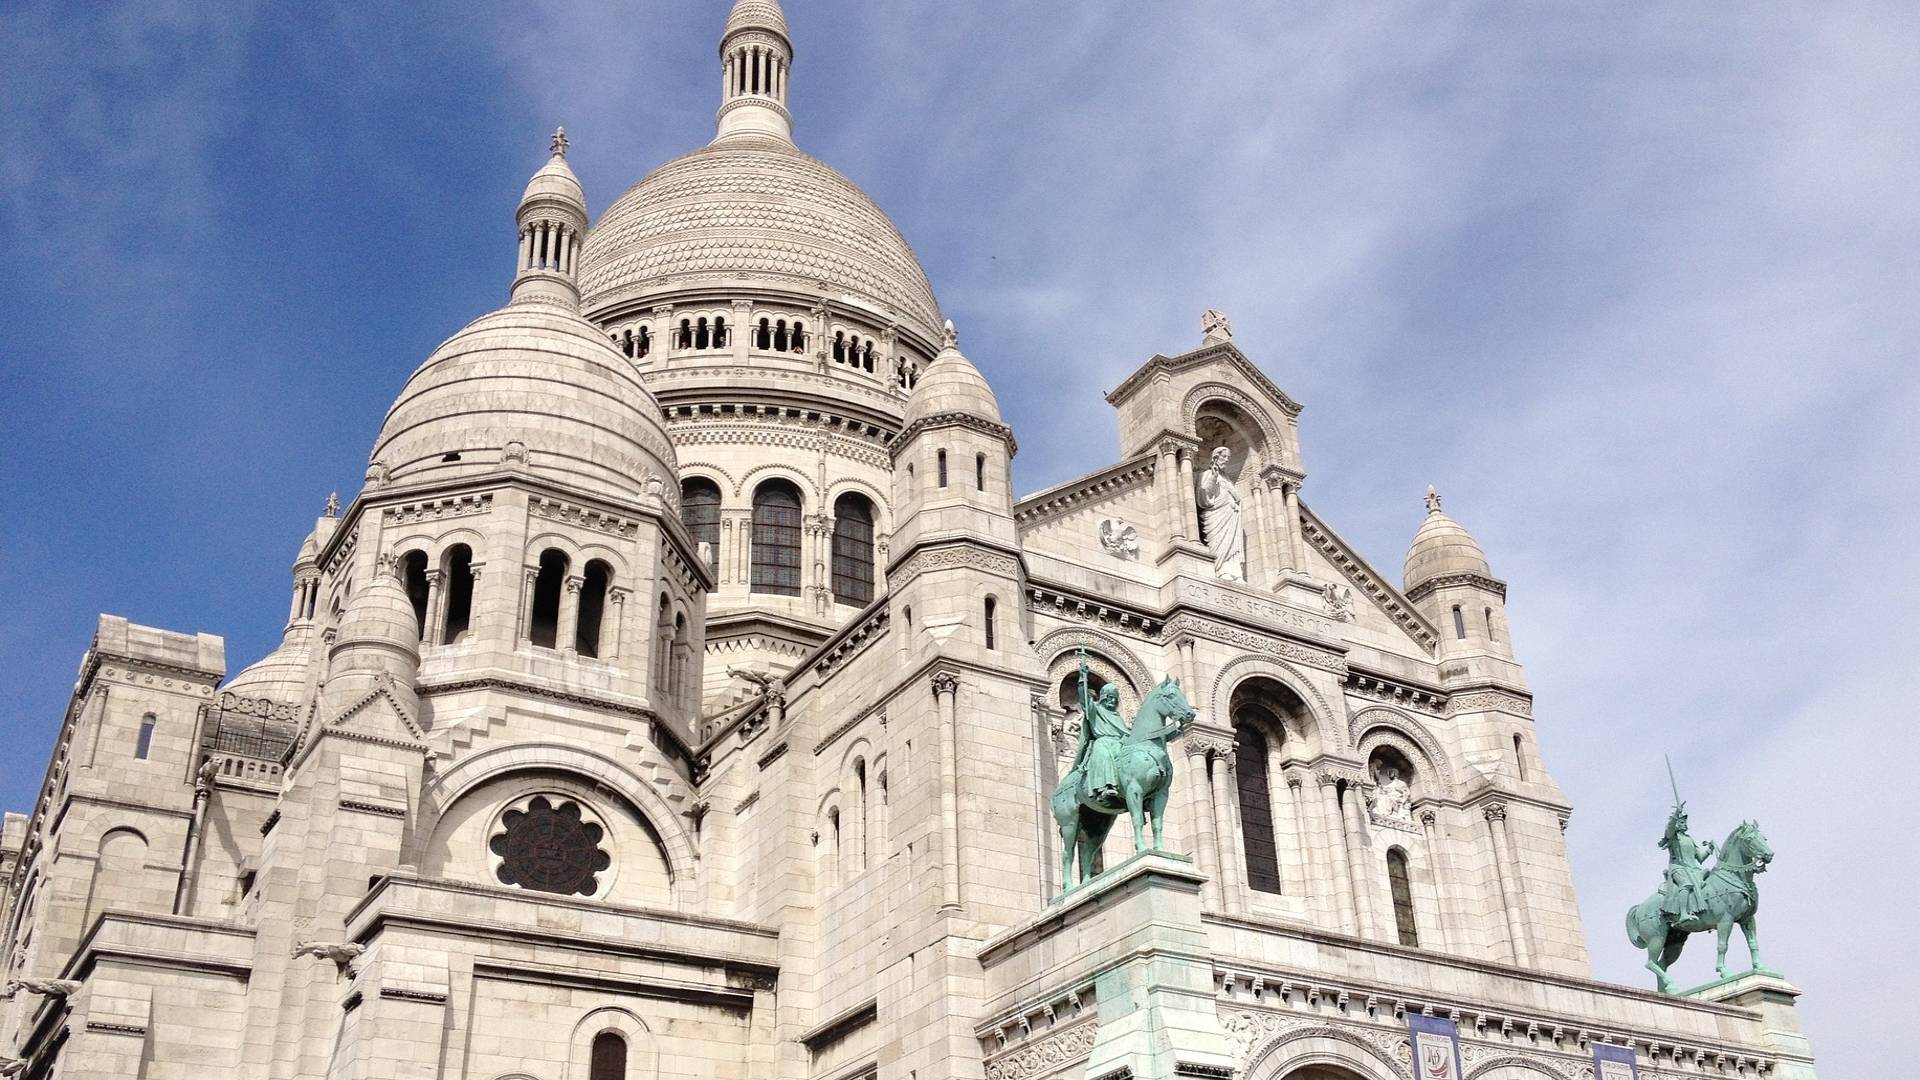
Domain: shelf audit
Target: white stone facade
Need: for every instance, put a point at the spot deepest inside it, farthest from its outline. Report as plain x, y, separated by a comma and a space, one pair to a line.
682, 695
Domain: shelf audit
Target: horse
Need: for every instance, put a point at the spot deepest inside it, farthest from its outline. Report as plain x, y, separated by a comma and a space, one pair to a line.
1729, 895
1145, 775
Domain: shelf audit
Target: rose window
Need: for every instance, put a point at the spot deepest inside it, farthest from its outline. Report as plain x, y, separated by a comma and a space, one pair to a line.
550, 848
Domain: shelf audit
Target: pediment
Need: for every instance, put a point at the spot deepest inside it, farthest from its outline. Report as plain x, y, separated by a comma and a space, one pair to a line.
1223, 355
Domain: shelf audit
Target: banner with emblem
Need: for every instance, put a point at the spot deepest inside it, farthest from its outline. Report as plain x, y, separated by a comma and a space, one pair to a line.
1614, 1063
1436, 1048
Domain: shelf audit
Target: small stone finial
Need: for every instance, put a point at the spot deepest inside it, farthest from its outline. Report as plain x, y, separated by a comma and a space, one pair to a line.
1433, 500
332, 508
949, 337
1215, 326
559, 142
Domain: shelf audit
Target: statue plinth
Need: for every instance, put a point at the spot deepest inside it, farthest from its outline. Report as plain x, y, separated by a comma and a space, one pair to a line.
1772, 997
1134, 933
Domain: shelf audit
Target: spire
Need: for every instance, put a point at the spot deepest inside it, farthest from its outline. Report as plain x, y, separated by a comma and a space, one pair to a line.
553, 222
755, 56
1433, 500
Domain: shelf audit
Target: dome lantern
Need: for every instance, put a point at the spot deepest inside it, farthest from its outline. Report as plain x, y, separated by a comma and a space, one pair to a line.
755, 56
553, 222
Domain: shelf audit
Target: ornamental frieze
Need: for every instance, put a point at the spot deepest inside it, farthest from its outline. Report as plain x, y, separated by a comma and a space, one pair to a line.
952, 557
1255, 608
611, 524
1299, 652
438, 509
1052, 1054
1490, 701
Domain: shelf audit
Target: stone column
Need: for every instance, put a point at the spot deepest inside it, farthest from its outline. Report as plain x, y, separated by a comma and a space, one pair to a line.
568, 629
1310, 877
1331, 833
1496, 815
615, 619
738, 327
1167, 471
1232, 888
1200, 812
1189, 507
1294, 537
1189, 677
1360, 861
475, 604
436, 602
1437, 872
946, 687
525, 620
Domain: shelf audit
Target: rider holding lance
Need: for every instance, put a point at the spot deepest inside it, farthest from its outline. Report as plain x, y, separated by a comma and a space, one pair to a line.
1102, 732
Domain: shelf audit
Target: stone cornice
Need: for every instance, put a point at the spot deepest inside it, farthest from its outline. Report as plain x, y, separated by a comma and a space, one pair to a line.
1224, 350
1479, 581
954, 419
1093, 487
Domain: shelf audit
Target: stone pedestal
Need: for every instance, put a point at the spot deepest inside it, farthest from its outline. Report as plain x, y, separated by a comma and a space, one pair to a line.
1134, 934
1771, 997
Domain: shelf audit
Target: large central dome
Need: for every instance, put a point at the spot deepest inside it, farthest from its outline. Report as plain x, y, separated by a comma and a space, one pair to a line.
755, 210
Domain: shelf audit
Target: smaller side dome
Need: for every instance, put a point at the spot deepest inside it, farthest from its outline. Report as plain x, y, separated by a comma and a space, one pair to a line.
951, 384
281, 675
756, 15
555, 180
1442, 546
382, 616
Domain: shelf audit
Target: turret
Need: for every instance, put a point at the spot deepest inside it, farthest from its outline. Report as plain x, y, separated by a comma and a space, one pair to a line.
553, 223
378, 641
1449, 580
952, 489
755, 57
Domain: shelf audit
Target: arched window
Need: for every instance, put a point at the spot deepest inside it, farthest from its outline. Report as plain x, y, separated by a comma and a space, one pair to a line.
979, 472
686, 335
1402, 889
780, 336
543, 622
144, 744
988, 613
642, 344
941, 457
1256, 803
839, 347
776, 539
700, 512
1492, 635
719, 332
702, 337
1459, 624
866, 356
762, 336
852, 550
626, 344
457, 579
1519, 756
662, 644
799, 336
682, 658
608, 1061
593, 607
413, 570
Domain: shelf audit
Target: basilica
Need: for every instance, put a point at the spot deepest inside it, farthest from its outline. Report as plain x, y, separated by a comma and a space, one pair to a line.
686, 691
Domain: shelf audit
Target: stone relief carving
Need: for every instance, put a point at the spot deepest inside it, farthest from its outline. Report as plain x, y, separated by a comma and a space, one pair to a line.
1339, 600
1048, 1055
1119, 539
1392, 799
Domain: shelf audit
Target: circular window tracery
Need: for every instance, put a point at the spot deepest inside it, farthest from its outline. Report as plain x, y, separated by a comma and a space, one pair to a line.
549, 845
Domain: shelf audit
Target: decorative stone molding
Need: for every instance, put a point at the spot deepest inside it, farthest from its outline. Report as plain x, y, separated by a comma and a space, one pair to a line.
1494, 811
833, 736
944, 682
1380, 688
438, 509
1505, 701
1467, 577
1262, 611
1055, 1053
952, 557
954, 419
1198, 397
1241, 668
1062, 604
1068, 639
555, 510
1200, 626
1376, 726
851, 641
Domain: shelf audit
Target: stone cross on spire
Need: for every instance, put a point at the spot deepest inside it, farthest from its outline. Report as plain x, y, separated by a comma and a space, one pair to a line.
1215, 327
559, 142
1433, 500
949, 337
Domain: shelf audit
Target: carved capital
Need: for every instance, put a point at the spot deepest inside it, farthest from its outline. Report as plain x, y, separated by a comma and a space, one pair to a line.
1428, 818
945, 682
1327, 777
1495, 811
574, 582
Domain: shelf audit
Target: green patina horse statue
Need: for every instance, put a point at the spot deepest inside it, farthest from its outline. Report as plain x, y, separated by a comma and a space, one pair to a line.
1143, 775
1728, 895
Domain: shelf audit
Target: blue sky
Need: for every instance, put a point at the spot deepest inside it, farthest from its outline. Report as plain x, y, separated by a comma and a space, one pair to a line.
1633, 285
